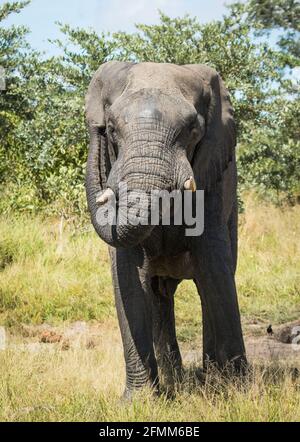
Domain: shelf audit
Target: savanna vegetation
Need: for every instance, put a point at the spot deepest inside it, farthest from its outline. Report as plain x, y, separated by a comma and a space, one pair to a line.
43, 138
55, 271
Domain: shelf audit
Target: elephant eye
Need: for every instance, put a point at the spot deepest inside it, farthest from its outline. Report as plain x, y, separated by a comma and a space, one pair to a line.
194, 132
198, 127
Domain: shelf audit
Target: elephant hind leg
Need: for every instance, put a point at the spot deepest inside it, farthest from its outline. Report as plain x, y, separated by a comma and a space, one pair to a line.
164, 332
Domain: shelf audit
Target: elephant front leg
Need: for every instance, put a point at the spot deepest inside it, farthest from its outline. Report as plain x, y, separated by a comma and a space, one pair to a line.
164, 332
133, 303
222, 334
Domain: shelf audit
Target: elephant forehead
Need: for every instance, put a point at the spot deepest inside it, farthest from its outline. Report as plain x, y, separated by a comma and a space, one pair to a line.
145, 103
163, 75
152, 104
155, 75
170, 78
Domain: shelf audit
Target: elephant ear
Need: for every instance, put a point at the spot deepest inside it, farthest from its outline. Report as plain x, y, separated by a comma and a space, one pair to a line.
107, 84
217, 147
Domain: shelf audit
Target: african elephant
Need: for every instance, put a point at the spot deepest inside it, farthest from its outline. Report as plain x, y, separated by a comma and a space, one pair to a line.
163, 126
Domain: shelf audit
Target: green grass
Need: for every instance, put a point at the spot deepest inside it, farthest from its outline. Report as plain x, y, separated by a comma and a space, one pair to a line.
268, 275
53, 273
49, 274
56, 273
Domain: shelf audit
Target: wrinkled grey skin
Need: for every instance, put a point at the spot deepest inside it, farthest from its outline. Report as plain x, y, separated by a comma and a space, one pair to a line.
153, 126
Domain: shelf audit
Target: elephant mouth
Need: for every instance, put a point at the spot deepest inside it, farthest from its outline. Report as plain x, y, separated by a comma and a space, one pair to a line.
138, 211
108, 194
121, 209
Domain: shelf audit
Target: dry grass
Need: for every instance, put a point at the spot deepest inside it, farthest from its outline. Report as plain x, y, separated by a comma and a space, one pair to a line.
85, 385
268, 275
58, 274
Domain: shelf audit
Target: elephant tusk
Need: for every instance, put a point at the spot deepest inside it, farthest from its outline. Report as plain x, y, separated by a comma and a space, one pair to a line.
102, 199
190, 184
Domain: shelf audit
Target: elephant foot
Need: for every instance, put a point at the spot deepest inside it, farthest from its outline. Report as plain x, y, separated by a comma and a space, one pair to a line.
232, 368
236, 368
127, 396
130, 393
171, 375
171, 380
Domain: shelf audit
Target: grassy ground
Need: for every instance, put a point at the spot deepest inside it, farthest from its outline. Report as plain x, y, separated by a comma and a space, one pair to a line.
83, 385
55, 273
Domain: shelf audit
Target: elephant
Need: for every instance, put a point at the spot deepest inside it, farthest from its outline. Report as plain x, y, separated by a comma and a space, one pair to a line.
168, 127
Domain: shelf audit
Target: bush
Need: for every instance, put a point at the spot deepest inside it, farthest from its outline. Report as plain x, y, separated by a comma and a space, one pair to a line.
43, 138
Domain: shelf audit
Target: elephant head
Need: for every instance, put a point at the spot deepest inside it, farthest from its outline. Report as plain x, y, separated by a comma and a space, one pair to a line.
154, 126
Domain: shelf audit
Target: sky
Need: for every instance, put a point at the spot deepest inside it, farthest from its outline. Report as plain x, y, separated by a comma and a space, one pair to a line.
104, 15
40, 17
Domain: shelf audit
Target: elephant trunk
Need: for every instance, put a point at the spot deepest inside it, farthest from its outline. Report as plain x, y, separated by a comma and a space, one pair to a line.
150, 162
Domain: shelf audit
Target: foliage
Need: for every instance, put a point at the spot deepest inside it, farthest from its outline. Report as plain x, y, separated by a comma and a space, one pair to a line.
279, 14
273, 150
43, 139
272, 161
14, 105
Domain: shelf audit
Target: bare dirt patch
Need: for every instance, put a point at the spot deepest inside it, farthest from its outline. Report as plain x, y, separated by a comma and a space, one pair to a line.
263, 343
272, 343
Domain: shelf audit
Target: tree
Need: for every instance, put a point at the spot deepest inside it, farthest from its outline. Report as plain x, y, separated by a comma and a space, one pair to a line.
275, 13
283, 15
13, 102
43, 140
274, 150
